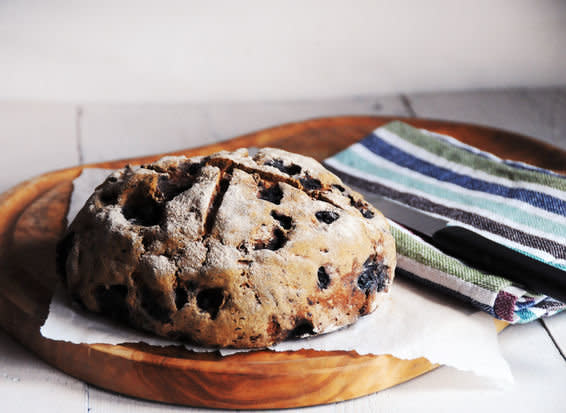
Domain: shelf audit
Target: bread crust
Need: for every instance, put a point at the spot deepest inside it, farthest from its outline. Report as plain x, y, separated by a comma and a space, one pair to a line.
229, 250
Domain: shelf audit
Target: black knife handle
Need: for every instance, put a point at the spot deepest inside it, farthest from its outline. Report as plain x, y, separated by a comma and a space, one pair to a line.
487, 255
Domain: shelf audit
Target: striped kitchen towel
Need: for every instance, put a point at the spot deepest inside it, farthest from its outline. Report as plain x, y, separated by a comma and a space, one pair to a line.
515, 204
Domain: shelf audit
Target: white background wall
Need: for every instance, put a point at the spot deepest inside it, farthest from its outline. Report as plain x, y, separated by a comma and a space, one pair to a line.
254, 50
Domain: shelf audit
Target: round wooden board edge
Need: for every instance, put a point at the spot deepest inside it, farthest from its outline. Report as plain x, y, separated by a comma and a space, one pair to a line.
33, 188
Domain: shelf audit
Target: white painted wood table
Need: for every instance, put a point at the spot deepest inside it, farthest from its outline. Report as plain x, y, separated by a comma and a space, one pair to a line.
39, 137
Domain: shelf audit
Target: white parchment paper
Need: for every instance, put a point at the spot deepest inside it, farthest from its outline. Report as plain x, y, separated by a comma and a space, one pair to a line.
413, 322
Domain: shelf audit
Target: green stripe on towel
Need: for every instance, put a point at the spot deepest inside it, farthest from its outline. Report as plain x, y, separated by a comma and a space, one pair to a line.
464, 157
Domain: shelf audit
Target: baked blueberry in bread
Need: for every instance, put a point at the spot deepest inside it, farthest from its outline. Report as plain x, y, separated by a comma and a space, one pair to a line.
229, 250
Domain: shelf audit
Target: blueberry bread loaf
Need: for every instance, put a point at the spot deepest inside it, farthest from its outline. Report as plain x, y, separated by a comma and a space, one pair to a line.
229, 250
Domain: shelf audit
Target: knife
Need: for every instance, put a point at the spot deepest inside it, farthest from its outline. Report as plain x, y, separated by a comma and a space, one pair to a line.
475, 249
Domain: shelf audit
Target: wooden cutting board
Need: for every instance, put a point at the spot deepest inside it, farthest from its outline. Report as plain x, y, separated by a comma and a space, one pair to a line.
32, 219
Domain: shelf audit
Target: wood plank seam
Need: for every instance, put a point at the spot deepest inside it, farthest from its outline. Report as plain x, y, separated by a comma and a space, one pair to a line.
79, 132
408, 105
79, 145
552, 338
87, 397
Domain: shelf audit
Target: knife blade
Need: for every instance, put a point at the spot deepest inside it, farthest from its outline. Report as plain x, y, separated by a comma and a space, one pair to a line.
474, 249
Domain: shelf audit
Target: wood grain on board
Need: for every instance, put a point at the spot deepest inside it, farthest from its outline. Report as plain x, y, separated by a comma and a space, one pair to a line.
32, 219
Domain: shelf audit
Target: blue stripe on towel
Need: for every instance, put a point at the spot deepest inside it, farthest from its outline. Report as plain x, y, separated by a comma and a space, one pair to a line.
387, 151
